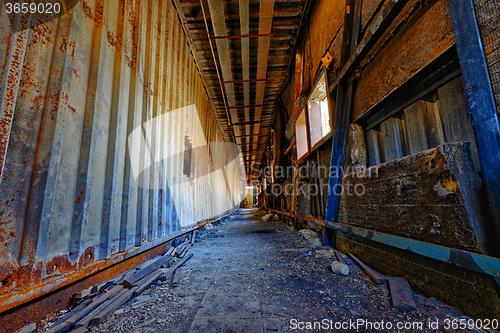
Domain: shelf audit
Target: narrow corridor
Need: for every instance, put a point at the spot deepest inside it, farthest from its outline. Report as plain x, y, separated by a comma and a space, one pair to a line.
247, 275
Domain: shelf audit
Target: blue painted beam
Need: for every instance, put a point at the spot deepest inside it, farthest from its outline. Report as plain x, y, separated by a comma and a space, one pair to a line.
468, 260
480, 99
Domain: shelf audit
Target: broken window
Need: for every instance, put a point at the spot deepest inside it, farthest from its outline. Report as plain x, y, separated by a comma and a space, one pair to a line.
301, 136
440, 116
318, 112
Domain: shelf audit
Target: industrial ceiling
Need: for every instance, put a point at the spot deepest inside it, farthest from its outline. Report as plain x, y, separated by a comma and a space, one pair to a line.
243, 50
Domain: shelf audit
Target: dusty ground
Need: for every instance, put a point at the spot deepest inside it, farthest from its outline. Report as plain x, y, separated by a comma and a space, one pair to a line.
252, 276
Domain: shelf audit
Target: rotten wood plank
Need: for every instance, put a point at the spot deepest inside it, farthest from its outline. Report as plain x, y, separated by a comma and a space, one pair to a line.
129, 281
184, 251
112, 306
147, 282
176, 278
374, 147
390, 66
415, 127
401, 294
78, 316
421, 187
392, 139
373, 274
339, 256
455, 116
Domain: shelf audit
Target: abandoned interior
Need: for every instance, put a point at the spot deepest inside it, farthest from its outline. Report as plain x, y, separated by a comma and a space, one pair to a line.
133, 130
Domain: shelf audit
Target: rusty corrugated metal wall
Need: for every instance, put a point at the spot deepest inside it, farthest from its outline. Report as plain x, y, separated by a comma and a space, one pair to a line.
73, 90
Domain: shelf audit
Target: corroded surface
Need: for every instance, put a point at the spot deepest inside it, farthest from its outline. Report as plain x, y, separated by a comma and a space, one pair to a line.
73, 90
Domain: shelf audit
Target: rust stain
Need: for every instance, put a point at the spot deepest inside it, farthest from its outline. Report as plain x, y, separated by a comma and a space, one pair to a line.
98, 14
80, 197
72, 47
59, 265
88, 255
64, 45
8, 273
41, 35
87, 11
111, 39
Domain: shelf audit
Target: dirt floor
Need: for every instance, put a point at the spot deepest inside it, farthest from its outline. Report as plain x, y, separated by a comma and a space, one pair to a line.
247, 275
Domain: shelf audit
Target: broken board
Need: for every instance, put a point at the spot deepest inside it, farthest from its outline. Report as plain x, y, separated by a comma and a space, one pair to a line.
401, 294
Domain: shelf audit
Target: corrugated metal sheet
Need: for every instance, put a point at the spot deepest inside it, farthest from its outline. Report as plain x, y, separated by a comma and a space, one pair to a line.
73, 90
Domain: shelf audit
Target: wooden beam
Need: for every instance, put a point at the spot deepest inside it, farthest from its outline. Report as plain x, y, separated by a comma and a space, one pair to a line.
241, 36
244, 81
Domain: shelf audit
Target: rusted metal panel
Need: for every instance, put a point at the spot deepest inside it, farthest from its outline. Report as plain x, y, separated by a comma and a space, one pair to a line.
73, 91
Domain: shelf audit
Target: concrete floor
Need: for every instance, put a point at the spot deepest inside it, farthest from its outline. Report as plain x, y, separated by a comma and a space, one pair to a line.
252, 276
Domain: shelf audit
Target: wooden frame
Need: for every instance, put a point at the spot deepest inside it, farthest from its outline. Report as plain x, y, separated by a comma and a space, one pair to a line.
299, 139
322, 74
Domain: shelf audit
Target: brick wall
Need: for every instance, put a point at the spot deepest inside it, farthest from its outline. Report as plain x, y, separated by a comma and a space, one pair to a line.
473, 293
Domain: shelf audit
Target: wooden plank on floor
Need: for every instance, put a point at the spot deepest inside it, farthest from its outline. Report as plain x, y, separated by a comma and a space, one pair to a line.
179, 249
80, 330
176, 278
401, 294
88, 318
373, 274
112, 306
339, 257
147, 262
129, 282
147, 281
184, 251
78, 316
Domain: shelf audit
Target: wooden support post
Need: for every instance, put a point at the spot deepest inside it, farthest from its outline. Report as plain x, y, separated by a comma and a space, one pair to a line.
480, 98
352, 22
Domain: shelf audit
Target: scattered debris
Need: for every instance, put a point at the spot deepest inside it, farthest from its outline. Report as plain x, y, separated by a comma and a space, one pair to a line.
325, 253
401, 294
27, 329
177, 276
341, 257
339, 268
268, 273
312, 237
270, 217
94, 304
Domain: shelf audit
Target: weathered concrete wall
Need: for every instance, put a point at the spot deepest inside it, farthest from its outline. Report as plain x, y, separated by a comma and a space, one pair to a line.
93, 103
430, 196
